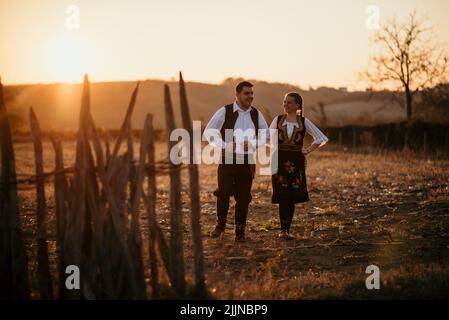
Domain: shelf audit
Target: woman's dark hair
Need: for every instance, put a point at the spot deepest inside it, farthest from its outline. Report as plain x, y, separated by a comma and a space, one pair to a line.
297, 97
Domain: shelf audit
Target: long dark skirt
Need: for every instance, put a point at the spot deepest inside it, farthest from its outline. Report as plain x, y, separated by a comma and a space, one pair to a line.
289, 183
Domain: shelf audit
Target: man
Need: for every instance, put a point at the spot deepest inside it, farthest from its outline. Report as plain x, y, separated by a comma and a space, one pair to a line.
234, 124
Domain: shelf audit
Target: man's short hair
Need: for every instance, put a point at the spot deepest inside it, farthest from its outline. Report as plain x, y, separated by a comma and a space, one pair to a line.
243, 84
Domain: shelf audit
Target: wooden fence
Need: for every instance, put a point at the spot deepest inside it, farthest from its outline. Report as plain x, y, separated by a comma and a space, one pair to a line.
97, 208
416, 136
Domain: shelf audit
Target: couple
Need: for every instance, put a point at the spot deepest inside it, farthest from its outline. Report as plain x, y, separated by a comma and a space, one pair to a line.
289, 181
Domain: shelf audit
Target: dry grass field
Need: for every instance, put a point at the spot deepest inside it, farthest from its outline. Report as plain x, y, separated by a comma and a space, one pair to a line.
386, 209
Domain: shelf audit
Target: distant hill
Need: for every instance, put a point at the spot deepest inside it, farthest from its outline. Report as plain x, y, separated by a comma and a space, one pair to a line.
57, 105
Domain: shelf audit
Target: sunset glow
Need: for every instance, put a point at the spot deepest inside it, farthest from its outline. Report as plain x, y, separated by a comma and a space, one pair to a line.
301, 42
68, 59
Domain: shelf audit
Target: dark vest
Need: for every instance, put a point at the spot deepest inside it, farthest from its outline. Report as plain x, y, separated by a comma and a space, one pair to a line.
295, 142
229, 123
231, 118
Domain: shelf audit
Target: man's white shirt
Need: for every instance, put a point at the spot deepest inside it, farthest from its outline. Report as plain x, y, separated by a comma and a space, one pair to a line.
243, 123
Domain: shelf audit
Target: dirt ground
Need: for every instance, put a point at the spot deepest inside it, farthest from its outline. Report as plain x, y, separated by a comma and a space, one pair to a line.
387, 209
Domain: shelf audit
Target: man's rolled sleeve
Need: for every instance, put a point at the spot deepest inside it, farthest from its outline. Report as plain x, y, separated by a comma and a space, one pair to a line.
212, 132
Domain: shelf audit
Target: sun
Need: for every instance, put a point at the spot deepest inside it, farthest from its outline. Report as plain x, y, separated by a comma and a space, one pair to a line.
67, 59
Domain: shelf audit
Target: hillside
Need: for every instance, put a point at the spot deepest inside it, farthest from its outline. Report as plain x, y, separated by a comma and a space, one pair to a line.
57, 105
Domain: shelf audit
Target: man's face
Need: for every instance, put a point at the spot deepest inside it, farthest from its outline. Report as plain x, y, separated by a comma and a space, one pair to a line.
245, 97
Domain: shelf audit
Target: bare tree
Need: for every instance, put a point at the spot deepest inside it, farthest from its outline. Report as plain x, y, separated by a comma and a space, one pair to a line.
409, 59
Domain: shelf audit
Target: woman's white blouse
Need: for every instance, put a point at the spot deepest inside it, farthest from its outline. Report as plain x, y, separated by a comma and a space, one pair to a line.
318, 137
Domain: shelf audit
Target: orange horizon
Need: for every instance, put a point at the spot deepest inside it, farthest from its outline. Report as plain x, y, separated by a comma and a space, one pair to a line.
309, 45
173, 79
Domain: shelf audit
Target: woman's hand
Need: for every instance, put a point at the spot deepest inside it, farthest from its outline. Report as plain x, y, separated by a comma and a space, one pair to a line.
308, 150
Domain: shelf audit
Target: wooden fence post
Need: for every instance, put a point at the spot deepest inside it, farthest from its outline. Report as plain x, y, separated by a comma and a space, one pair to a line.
176, 218
44, 277
132, 169
194, 190
135, 240
61, 207
151, 175
13, 262
78, 218
125, 123
107, 145
115, 179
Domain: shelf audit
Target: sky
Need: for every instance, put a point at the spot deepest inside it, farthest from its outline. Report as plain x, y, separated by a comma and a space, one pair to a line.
306, 43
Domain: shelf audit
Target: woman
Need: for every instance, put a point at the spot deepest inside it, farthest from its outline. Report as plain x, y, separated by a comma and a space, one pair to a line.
289, 182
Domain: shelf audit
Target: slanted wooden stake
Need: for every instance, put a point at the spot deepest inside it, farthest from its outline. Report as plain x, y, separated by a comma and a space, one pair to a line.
135, 239
107, 145
194, 190
176, 219
61, 208
13, 262
43, 267
151, 176
123, 129
78, 218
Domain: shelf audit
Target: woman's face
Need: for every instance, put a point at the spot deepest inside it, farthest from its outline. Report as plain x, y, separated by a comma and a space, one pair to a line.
290, 105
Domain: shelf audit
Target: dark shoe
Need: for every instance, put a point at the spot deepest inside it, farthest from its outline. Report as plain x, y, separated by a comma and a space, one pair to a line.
286, 235
240, 238
216, 233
